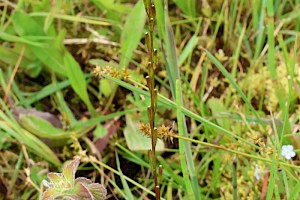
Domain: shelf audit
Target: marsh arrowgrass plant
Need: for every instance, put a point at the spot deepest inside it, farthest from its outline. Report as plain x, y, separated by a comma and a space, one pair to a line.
151, 110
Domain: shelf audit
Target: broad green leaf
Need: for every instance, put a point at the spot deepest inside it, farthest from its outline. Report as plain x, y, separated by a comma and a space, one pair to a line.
10, 127
135, 139
25, 25
13, 38
42, 127
100, 131
34, 68
132, 32
77, 80
45, 129
32, 143
10, 57
50, 57
106, 87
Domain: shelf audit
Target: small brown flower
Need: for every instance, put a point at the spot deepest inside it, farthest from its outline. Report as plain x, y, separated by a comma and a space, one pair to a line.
163, 132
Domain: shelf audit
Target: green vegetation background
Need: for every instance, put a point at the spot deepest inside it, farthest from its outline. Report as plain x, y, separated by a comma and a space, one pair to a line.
72, 76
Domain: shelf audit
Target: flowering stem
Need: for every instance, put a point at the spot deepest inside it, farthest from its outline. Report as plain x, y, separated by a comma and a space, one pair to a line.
152, 53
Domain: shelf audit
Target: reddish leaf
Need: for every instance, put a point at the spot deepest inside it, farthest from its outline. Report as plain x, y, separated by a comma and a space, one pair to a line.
57, 180
112, 127
17, 111
82, 192
83, 181
70, 170
50, 194
98, 191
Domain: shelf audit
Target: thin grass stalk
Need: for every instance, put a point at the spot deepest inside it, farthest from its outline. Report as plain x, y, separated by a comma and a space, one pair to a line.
265, 160
258, 16
271, 42
234, 178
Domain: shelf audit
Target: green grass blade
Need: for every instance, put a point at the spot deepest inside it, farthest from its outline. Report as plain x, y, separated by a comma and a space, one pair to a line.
271, 40
182, 146
128, 193
295, 192
111, 181
46, 91
78, 81
96, 120
50, 57
171, 104
259, 25
173, 76
13, 38
188, 49
62, 104
237, 52
132, 32
274, 168
232, 81
188, 7
77, 18
160, 18
170, 55
11, 127
133, 156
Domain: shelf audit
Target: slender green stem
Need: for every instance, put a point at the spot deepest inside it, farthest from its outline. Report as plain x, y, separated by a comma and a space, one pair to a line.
266, 160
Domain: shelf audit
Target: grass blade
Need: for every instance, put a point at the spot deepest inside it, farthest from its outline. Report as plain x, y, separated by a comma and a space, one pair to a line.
128, 193
78, 81
182, 146
163, 101
132, 32
188, 7
295, 192
271, 41
188, 49
232, 81
173, 76
10, 126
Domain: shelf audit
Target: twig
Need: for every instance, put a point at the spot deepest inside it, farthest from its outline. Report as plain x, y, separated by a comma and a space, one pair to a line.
7, 90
